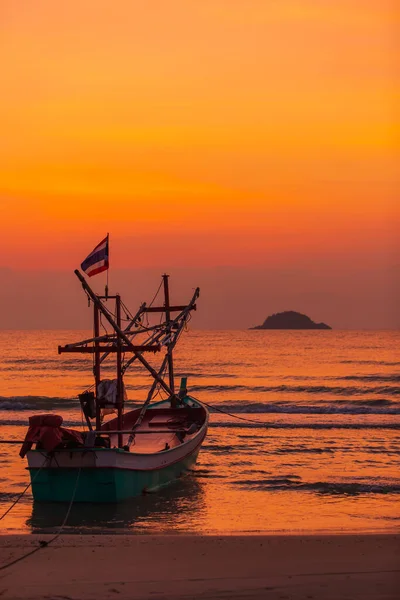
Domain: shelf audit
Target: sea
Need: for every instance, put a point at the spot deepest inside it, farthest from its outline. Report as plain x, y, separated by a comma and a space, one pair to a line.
308, 440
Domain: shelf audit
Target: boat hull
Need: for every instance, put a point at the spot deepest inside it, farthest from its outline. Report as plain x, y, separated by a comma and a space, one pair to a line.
99, 484
107, 474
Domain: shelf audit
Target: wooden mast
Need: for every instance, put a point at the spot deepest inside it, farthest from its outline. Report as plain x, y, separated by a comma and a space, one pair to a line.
119, 343
168, 327
96, 367
120, 385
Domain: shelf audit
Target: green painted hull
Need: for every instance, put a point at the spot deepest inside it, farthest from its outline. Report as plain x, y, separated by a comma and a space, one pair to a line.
97, 484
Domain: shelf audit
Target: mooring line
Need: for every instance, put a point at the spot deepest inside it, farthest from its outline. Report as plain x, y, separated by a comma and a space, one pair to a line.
43, 543
16, 501
225, 412
22, 493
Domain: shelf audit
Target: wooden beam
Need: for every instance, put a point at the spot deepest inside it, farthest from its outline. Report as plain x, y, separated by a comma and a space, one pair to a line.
96, 364
119, 331
169, 348
129, 327
145, 405
143, 431
159, 309
120, 394
179, 321
92, 350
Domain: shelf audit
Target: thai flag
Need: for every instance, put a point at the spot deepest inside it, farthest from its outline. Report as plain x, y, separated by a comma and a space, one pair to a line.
97, 261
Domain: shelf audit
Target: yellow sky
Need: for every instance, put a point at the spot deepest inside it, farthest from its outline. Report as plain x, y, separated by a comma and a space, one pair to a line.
249, 127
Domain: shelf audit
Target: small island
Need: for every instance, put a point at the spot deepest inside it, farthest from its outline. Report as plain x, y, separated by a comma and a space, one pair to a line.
290, 320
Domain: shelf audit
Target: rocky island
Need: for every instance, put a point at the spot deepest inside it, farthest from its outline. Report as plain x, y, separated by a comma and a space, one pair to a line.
290, 320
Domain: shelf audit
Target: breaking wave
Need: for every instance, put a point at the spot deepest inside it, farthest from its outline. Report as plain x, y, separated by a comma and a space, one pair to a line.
17, 403
339, 407
378, 406
304, 425
24, 422
319, 487
302, 389
371, 362
373, 377
363, 406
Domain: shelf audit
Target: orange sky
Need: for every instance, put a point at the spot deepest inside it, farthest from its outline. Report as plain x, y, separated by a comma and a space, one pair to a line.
242, 133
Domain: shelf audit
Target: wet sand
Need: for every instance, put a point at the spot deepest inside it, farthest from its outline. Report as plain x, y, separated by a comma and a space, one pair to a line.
87, 567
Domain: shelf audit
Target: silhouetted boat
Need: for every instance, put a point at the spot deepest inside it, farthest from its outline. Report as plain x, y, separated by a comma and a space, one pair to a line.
138, 451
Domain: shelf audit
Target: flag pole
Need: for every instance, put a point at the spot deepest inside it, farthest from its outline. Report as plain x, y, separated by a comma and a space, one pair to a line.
108, 259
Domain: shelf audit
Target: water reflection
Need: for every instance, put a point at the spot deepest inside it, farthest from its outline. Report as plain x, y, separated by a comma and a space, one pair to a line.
178, 507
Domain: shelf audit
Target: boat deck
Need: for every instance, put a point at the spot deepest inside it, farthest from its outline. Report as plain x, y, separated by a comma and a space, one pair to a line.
164, 428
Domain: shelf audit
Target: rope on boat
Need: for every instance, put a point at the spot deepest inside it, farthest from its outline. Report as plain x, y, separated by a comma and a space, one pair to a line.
225, 412
43, 543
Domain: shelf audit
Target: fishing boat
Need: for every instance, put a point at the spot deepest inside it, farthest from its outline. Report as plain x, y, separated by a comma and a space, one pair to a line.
133, 452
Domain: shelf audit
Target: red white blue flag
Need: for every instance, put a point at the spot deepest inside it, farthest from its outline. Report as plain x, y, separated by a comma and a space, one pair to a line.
97, 261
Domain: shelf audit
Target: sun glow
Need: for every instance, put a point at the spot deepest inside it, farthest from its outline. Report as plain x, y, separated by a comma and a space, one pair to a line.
208, 134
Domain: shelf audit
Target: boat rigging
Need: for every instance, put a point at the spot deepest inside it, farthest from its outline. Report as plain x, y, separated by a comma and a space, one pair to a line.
137, 451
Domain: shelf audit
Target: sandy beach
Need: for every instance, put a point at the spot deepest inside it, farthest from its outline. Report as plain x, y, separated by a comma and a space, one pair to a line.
188, 566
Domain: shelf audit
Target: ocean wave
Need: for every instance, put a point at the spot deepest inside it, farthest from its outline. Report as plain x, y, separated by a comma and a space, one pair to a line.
202, 375
36, 402
241, 364
371, 362
365, 402
377, 406
301, 389
262, 425
374, 377
305, 425
9, 496
54, 370
25, 423
48, 403
302, 450
219, 448
319, 487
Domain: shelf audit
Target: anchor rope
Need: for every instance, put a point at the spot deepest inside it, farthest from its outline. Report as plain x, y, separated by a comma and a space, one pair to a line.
21, 494
225, 412
43, 543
